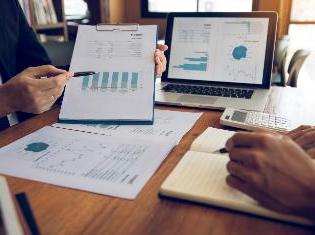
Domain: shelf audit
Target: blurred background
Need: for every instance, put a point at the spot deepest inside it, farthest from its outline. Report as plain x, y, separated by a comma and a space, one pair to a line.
56, 22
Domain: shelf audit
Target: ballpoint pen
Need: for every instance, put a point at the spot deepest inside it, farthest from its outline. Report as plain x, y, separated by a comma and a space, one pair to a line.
222, 150
76, 74
85, 73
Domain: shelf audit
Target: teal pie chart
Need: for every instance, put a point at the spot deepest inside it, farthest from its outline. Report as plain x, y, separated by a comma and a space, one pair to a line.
36, 147
239, 52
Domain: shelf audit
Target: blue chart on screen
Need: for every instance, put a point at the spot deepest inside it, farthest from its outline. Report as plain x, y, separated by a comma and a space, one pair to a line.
196, 62
36, 147
239, 52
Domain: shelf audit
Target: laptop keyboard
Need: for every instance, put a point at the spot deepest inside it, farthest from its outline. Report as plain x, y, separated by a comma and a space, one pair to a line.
210, 91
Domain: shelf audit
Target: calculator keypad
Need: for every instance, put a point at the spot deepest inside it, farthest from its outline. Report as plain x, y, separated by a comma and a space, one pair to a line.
265, 120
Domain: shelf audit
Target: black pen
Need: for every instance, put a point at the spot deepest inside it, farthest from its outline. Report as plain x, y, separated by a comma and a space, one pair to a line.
26, 210
223, 150
85, 73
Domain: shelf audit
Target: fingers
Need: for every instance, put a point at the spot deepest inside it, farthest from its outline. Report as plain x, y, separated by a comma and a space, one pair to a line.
159, 66
247, 140
296, 133
45, 92
53, 94
45, 70
160, 54
261, 197
307, 140
311, 152
58, 82
163, 47
160, 61
244, 187
244, 173
247, 157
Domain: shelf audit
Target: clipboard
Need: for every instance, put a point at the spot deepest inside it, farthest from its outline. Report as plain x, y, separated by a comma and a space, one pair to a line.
129, 27
131, 42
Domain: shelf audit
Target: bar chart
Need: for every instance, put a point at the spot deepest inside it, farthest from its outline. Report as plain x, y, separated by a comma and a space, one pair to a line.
112, 81
196, 62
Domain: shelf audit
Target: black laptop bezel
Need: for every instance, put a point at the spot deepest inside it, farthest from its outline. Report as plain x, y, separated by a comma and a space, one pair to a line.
270, 46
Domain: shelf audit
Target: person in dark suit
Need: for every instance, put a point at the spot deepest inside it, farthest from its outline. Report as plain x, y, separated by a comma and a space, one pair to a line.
23, 61
20, 54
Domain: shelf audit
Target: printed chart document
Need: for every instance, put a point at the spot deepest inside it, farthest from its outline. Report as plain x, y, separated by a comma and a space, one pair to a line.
112, 166
122, 90
200, 177
171, 125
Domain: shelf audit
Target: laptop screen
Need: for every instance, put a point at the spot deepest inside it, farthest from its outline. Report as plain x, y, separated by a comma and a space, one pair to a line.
219, 49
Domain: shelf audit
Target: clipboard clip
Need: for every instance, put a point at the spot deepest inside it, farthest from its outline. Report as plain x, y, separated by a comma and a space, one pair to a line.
118, 27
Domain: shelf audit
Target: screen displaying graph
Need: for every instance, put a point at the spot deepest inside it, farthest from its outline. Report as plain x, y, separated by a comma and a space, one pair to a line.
223, 49
112, 81
239, 62
197, 62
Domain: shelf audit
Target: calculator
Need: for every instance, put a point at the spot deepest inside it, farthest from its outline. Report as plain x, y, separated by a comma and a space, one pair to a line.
251, 120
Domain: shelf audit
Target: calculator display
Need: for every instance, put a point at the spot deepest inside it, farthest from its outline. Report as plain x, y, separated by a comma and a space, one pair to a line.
239, 116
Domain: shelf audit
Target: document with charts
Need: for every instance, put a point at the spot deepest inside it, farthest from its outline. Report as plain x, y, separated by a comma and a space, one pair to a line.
122, 89
171, 125
107, 165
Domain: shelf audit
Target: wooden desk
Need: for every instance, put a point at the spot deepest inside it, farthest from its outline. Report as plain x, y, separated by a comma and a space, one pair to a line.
65, 211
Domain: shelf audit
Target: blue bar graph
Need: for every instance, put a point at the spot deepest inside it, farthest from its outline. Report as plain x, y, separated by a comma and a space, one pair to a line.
124, 80
201, 59
112, 81
85, 82
105, 80
134, 80
95, 80
193, 67
115, 80
198, 63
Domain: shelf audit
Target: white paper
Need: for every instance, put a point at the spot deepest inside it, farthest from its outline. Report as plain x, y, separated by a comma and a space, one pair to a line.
170, 125
123, 87
107, 165
211, 140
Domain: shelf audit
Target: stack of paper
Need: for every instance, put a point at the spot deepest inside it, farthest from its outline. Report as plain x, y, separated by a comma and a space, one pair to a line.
111, 160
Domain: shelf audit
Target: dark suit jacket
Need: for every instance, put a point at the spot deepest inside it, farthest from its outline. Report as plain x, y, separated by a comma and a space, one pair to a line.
19, 47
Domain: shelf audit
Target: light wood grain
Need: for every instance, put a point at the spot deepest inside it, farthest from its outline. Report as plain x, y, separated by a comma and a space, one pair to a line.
66, 211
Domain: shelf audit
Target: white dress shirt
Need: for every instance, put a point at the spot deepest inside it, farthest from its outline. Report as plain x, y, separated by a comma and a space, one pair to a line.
12, 117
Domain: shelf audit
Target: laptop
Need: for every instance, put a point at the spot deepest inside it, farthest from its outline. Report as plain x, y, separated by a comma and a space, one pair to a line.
218, 60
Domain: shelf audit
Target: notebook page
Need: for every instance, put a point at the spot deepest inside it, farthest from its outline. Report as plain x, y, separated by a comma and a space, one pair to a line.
200, 177
211, 140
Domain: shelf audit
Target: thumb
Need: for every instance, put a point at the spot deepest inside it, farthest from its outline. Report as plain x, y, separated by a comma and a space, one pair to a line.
163, 47
44, 70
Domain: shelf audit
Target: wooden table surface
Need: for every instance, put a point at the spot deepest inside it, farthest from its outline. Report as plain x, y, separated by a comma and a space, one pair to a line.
66, 211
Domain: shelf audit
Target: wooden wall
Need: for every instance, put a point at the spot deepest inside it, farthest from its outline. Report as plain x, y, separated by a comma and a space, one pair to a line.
283, 7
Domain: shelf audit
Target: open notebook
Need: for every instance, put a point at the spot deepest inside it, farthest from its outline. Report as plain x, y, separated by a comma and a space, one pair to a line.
200, 177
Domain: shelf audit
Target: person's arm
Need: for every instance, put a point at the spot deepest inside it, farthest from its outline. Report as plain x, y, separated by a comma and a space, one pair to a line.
273, 170
30, 53
5, 108
26, 92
